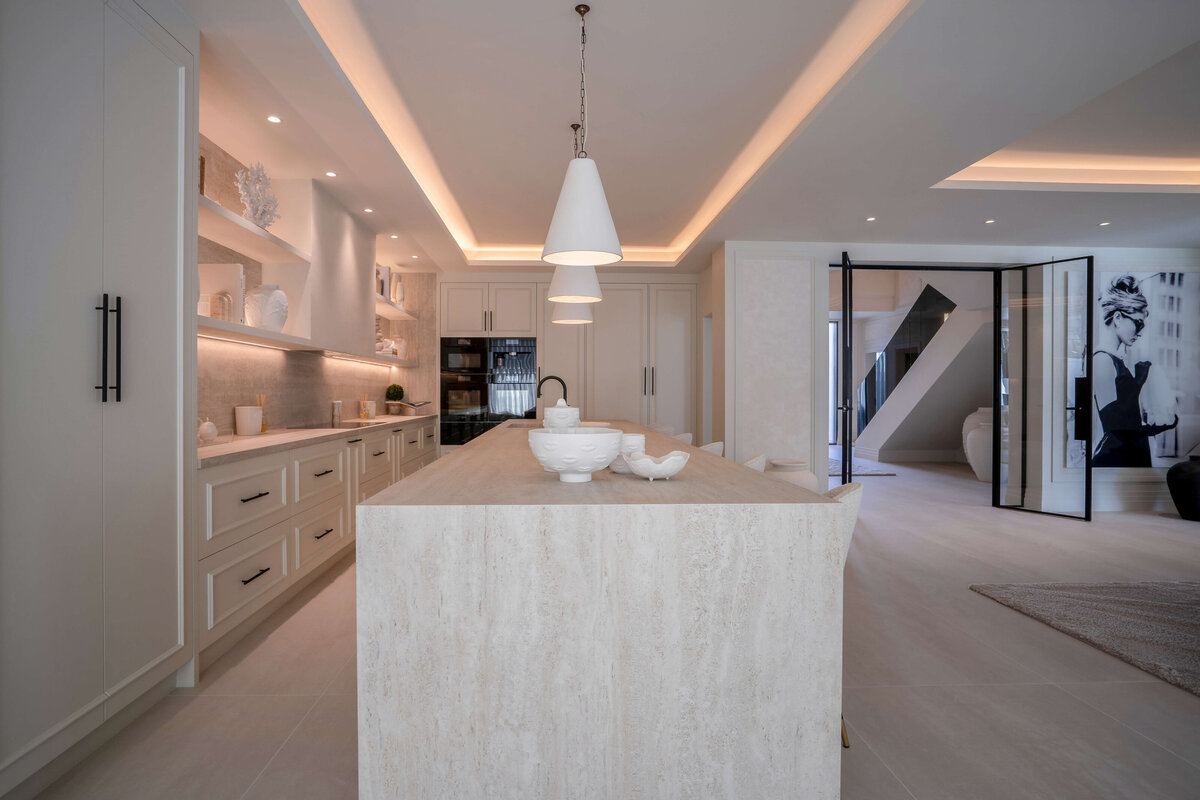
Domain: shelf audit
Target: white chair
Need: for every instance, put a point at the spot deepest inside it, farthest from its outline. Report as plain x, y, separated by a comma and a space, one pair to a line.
686, 438
759, 463
716, 448
850, 497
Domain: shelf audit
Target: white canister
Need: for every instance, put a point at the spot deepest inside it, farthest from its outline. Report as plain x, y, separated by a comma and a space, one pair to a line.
630, 443
248, 420
266, 307
560, 415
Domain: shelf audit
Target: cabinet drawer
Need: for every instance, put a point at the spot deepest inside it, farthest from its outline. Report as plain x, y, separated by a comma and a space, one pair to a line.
428, 434
376, 456
242, 501
409, 440
369, 487
234, 578
318, 532
320, 472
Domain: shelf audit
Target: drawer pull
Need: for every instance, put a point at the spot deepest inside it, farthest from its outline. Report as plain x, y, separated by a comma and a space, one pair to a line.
260, 494
429, 436
381, 452
412, 441
321, 474
256, 575
323, 535
354, 441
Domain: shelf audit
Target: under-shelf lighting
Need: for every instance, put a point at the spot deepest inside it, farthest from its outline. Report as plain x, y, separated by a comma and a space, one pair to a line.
239, 341
360, 361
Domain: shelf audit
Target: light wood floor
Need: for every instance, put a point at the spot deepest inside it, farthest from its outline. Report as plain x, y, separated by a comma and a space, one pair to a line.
947, 694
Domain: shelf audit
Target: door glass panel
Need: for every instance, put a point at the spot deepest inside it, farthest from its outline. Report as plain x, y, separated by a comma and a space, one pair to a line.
1044, 323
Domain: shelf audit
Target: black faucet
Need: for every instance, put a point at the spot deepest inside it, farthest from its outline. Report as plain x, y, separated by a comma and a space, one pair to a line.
552, 378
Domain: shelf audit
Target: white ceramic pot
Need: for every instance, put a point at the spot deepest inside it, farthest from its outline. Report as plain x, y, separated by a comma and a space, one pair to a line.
266, 307
560, 415
630, 443
248, 420
575, 453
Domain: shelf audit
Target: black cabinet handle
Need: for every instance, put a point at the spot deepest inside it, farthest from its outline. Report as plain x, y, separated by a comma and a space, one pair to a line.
643, 381
381, 452
256, 575
397, 430
260, 494
117, 310
652, 380
323, 535
319, 474
354, 441
412, 441
103, 387
429, 436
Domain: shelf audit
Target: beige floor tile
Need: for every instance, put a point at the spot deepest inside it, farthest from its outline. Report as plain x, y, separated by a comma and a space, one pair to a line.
1006, 742
320, 760
864, 776
208, 748
346, 681
1165, 714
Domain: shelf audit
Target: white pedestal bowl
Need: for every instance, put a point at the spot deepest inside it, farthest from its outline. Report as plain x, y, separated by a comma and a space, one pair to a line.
575, 453
647, 466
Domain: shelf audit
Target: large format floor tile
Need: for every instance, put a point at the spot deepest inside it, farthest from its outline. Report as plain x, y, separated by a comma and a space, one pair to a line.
320, 760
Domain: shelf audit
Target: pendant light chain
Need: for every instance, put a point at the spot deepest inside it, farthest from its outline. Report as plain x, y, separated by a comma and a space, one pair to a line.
581, 145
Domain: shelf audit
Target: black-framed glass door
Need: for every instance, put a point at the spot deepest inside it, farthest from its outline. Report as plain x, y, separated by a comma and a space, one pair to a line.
846, 404
1042, 433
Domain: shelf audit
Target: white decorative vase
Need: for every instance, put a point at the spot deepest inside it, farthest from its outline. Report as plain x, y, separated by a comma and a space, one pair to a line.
266, 307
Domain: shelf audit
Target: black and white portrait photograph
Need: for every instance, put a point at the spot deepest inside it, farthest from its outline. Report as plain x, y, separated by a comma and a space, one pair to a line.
1145, 369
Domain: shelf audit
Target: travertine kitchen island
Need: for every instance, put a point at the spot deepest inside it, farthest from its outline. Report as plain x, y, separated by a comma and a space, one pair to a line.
519, 637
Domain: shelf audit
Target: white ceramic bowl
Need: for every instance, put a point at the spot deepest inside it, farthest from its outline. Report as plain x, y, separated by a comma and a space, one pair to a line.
575, 453
560, 416
647, 466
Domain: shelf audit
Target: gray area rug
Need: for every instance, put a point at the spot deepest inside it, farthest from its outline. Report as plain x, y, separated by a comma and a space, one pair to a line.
859, 467
1155, 626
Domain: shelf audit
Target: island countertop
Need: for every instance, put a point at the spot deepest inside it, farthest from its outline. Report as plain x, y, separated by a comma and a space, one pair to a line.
498, 468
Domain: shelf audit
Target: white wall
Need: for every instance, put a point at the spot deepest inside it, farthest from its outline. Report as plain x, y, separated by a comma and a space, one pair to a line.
341, 277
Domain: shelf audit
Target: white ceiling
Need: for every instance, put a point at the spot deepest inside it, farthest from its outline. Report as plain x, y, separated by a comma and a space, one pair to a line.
677, 89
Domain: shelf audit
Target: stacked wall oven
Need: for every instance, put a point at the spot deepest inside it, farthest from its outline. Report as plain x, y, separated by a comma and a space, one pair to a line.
484, 382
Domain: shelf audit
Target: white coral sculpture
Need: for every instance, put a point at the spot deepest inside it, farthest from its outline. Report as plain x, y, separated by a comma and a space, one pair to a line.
254, 187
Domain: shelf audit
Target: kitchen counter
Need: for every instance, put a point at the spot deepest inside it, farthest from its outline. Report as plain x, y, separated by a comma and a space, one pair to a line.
523, 637
235, 448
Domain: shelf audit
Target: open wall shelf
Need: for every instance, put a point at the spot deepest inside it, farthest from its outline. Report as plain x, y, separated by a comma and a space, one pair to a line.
235, 332
241, 235
389, 310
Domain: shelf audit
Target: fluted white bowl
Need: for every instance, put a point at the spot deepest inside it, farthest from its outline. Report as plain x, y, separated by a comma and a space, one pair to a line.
575, 453
647, 466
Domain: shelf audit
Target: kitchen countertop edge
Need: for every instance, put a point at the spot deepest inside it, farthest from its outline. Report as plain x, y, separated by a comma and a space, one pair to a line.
279, 440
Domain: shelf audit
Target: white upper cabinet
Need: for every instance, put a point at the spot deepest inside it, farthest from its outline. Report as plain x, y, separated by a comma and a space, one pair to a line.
489, 309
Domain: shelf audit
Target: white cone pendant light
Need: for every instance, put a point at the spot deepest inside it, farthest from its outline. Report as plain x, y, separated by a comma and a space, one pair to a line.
574, 284
582, 230
582, 234
572, 313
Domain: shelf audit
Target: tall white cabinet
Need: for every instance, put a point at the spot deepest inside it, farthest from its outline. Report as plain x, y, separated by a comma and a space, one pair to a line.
641, 355
97, 197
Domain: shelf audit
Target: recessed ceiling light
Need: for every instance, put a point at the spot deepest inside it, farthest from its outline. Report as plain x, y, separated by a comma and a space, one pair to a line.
274, 119
1103, 224
415, 257
369, 210
395, 236
870, 219
330, 174
989, 222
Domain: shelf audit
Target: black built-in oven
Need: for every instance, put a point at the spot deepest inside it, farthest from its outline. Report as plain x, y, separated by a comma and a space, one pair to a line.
484, 382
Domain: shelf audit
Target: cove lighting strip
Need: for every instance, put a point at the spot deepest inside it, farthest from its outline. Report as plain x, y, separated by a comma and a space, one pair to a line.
361, 361
239, 341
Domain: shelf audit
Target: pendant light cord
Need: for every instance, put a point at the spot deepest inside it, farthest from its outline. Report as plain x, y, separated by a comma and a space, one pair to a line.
581, 143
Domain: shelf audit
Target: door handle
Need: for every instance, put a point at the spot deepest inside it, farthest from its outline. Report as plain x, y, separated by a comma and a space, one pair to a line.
103, 387
117, 386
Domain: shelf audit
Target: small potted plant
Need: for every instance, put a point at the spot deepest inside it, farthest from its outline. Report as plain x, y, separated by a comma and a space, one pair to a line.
395, 393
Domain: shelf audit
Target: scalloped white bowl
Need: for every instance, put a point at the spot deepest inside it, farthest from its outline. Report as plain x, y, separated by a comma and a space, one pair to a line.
575, 453
647, 466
